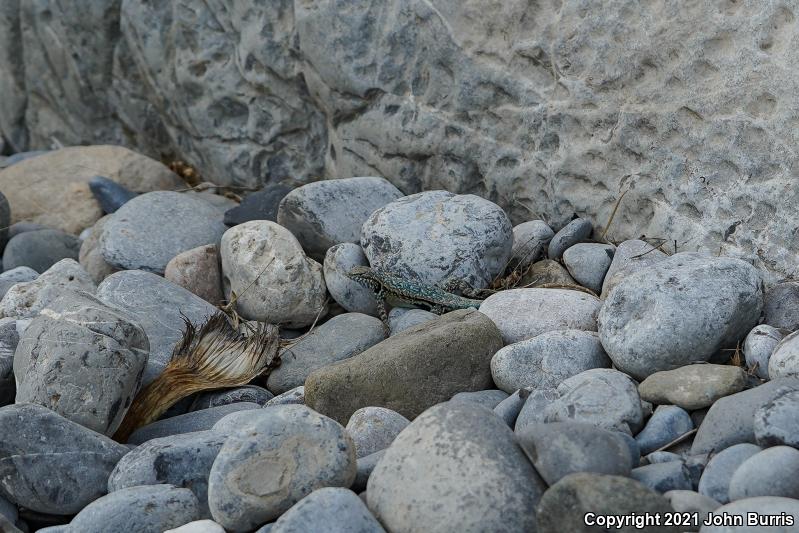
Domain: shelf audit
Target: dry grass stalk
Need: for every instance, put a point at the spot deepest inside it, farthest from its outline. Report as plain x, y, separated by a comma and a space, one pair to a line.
214, 357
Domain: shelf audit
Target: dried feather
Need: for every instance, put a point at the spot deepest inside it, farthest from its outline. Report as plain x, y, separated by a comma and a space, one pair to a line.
214, 357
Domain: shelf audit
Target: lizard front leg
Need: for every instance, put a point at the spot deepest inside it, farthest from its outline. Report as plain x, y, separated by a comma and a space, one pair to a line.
455, 284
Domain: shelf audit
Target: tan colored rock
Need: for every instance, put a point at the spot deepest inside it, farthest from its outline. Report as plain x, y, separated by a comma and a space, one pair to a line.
546, 272
52, 189
91, 253
197, 270
692, 386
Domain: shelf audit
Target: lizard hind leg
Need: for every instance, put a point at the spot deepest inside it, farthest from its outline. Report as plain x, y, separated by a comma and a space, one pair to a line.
455, 285
381, 311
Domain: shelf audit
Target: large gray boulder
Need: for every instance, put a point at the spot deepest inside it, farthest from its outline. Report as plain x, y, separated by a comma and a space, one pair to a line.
680, 310
433, 236
481, 479
410, 371
82, 359
51, 465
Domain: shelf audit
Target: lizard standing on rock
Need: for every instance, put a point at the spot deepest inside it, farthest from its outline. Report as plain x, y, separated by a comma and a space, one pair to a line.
399, 292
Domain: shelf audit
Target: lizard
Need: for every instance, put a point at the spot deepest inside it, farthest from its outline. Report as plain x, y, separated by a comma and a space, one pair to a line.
399, 292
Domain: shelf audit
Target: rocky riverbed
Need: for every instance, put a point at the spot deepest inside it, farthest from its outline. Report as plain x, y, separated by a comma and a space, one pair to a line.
595, 380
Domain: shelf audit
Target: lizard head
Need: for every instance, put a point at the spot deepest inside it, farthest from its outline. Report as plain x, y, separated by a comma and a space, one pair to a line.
365, 276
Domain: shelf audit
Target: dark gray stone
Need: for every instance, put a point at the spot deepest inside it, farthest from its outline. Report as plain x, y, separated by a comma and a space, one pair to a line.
5, 218
565, 505
330, 509
145, 509
397, 372
731, 419
16, 275
247, 393
781, 308
8, 510
509, 408
562, 448
295, 396
328, 212
23, 226
374, 428
159, 307
700, 303
771, 472
715, 480
339, 338
51, 465
588, 263
777, 422
400, 319
365, 467
188, 423
152, 228
182, 460
258, 205
663, 477
540, 362
666, 424
110, 194
280, 456
572, 233
483, 481
9, 338
82, 359
418, 237
40, 249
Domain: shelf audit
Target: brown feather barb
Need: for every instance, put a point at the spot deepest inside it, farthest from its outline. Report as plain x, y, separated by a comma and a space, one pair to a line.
214, 357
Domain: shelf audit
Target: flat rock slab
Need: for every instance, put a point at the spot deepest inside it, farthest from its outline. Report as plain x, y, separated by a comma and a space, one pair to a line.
412, 370
692, 386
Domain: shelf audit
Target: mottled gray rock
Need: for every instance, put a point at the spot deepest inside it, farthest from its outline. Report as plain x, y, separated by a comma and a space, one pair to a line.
374, 428
366, 466
26, 299
396, 373
693, 386
13, 276
110, 194
329, 212
8, 510
777, 422
198, 526
546, 273
9, 338
630, 257
663, 477
572, 233
488, 398
349, 294
247, 393
771, 472
534, 409
781, 308
561, 448
509, 408
666, 424
761, 509
91, 253
588, 263
524, 313
715, 480
784, 360
82, 359
566, 504
423, 238
258, 205
689, 501
545, 360
197, 270
188, 423
681, 310
159, 307
265, 266
51, 465
603, 397
295, 396
281, 455
530, 241
145, 509
662, 457
331, 509
149, 230
758, 347
182, 460
400, 319
483, 481
40, 249
339, 338
730, 420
